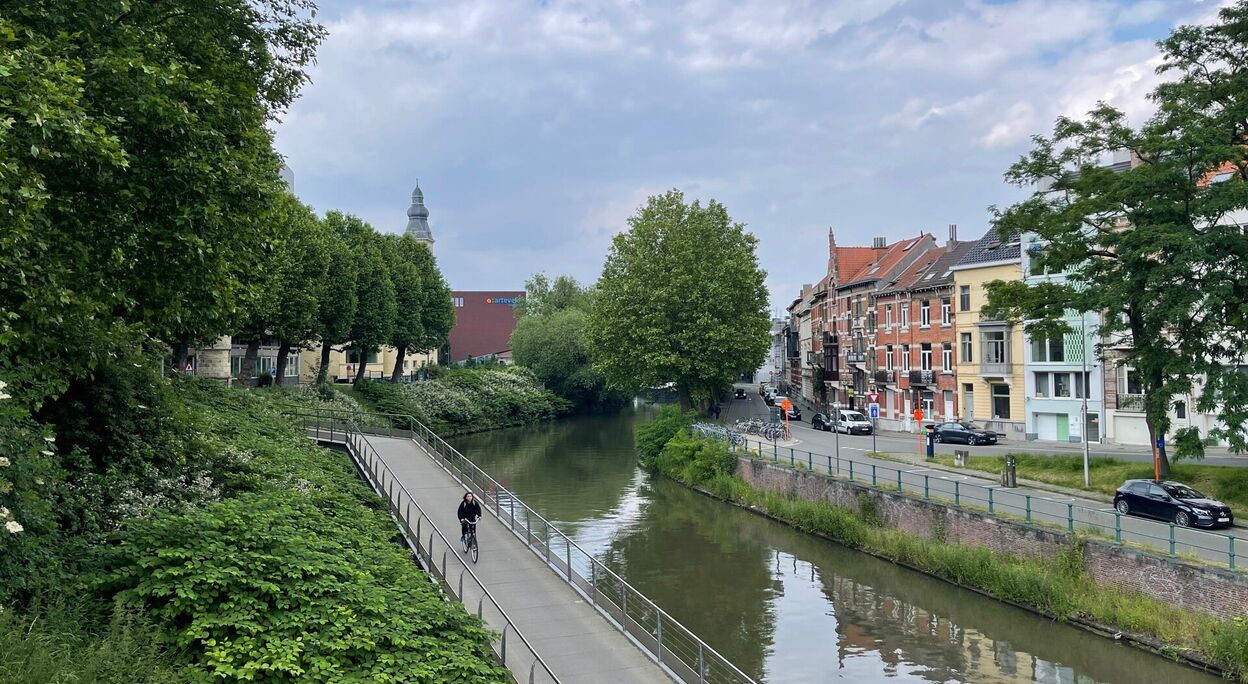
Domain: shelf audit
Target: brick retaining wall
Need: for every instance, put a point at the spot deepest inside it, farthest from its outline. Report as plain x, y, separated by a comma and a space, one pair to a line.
1220, 592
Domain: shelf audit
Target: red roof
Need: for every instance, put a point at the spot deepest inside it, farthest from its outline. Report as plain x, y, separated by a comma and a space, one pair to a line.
882, 266
850, 260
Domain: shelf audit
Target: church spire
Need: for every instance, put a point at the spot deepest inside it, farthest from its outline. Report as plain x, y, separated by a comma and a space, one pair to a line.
418, 218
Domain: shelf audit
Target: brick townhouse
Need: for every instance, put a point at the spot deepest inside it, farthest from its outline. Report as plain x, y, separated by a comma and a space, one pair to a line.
915, 362
854, 314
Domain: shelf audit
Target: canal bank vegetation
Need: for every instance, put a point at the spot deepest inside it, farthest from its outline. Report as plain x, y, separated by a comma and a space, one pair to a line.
178, 530
1057, 587
1225, 483
549, 340
470, 399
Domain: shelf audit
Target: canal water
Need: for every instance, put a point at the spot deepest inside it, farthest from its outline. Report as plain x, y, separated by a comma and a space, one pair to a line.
782, 605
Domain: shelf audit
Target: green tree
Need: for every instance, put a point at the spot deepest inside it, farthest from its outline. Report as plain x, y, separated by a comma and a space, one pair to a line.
376, 307
302, 285
1155, 248
681, 300
544, 296
336, 310
135, 167
422, 319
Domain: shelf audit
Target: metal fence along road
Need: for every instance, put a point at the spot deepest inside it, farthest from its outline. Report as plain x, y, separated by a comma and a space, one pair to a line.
1052, 511
676, 649
445, 565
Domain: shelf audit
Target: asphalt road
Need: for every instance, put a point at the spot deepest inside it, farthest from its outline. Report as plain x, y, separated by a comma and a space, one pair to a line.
819, 451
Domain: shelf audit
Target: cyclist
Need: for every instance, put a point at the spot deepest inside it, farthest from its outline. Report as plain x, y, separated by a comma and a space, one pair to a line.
469, 513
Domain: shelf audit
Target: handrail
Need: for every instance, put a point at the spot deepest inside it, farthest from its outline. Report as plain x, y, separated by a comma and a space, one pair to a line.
367, 464
673, 647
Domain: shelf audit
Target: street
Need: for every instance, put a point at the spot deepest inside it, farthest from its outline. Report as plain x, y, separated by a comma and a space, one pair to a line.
819, 451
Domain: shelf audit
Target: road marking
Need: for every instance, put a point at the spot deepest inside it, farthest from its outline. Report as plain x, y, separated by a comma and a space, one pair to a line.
921, 470
954, 477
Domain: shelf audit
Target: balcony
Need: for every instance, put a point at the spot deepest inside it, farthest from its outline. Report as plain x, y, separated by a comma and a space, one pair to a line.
855, 357
833, 375
884, 377
996, 369
1131, 403
829, 337
922, 378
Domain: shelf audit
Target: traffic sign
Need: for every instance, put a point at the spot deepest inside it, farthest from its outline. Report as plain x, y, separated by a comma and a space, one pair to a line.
874, 410
189, 369
873, 397
918, 414
272, 372
786, 404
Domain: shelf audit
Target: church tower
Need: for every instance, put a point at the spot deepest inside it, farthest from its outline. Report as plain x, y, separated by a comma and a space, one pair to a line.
418, 218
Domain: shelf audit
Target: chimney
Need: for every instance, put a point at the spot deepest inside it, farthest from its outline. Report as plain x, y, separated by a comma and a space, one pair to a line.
879, 243
953, 237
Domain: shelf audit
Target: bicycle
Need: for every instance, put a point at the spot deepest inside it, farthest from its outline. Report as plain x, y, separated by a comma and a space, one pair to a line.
469, 542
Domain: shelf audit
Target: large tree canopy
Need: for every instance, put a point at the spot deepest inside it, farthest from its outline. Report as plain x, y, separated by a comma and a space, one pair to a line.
136, 166
1160, 249
681, 300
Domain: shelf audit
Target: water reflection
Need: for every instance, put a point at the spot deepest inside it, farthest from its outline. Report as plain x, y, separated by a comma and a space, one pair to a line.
784, 606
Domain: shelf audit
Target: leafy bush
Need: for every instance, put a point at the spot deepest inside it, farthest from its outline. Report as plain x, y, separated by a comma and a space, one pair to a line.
469, 399
652, 436
694, 460
326, 396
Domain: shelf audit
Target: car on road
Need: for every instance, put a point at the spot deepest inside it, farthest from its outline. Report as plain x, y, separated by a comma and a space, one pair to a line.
963, 432
852, 423
1173, 502
795, 413
739, 393
821, 421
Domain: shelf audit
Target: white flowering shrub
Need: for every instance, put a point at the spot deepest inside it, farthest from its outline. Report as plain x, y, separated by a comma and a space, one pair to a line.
29, 477
325, 396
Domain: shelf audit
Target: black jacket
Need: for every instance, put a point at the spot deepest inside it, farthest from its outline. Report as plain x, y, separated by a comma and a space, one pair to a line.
469, 511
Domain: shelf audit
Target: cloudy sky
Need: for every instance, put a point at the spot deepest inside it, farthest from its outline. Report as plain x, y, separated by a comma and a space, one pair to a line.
536, 127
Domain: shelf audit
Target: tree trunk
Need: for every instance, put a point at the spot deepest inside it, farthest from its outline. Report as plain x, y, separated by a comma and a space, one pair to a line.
283, 350
682, 392
359, 372
322, 373
400, 352
181, 350
247, 369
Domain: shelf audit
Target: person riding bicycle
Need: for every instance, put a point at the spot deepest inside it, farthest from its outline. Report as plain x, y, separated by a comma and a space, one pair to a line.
469, 513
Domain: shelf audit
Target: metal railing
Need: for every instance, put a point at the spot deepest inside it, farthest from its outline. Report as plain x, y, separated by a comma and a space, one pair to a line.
433, 550
1054, 511
1131, 402
672, 646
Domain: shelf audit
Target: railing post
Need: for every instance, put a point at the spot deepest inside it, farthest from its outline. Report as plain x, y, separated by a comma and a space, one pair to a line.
1028, 501
1230, 550
624, 603
990, 505
567, 547
792, 461
810, 460
528, 532
899, 489
926, 487
1172, 540
511, 503
505, 644
1070, 517
851, 471
957, 494
593, 582
1117, 528
658, 619
873, 481
829, 465
701, 665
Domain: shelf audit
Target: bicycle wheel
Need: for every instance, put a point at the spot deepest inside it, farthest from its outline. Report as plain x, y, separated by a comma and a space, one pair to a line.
474, 550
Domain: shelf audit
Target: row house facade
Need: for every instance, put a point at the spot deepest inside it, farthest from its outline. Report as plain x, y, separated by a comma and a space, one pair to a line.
915, 364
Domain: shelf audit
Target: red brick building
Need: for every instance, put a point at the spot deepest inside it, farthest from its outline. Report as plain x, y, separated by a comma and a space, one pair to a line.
854, 335
915, 339
483, 323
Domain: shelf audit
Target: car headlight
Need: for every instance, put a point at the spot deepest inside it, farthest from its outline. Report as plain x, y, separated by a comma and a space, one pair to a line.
1203, 514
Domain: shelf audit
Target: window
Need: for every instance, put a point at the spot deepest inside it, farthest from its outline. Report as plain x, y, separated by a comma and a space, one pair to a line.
946, 311
1048, 350
1035, 259
905, 315
905, 357
925, 356
964, 298
888, 316
1001, 402
994, 347
967, 355
1180, 410
1082, 381
888, 357
1042, 385
1129, 380
457, 301
929, 408
925, 313
968, 401
353, 357
946, 357
292, 365
1061, 385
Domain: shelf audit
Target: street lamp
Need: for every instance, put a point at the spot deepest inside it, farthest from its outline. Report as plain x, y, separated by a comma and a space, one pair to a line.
1087, 388
836, 428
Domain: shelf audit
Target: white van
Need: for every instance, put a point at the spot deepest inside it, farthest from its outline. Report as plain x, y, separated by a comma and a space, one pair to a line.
852, 423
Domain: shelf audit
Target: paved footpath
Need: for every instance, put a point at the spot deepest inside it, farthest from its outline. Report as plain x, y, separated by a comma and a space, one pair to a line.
576, 642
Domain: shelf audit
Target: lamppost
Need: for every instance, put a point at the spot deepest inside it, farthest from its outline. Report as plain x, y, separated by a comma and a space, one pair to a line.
836, 428
1087, 389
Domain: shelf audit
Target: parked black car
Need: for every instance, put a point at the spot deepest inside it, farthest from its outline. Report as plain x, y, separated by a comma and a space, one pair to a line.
1171, 501
795, 413
821, 421
964, 432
